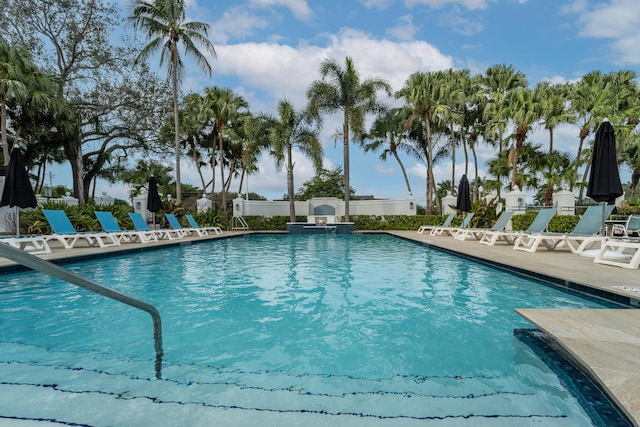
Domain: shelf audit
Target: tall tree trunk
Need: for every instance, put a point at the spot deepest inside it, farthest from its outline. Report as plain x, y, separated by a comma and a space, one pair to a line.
73, 151
194, 152
222, 182
347, 185
404, 172
584, 133
453, 156
3, 127
176, 123
292, 205
585, 175
548, 195
431, 186
475, 165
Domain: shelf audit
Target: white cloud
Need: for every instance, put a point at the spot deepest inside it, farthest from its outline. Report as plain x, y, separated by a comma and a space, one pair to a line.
618, 21
468, 4
281, 70
404, 30
236, 23
385, 169
299, 8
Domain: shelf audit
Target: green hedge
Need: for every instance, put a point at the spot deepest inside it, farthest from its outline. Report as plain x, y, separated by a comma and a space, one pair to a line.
558, 224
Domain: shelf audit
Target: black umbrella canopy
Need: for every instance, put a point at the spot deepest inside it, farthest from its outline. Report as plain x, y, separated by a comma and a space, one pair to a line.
463, 202
154, 204
17, 187
604, 179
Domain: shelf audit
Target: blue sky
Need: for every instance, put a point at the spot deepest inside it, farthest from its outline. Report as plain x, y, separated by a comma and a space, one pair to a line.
271, 49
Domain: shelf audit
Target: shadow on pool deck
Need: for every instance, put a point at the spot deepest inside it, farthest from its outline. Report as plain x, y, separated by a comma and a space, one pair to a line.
604, 343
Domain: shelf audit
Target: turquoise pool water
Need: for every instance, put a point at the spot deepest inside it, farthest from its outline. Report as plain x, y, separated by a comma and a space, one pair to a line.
339, 327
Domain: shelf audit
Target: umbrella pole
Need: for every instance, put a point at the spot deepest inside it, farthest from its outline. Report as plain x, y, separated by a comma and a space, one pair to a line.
603, 231
17, 221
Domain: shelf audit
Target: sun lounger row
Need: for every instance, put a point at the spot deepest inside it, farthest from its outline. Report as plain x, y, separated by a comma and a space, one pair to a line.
584, 239
63, 232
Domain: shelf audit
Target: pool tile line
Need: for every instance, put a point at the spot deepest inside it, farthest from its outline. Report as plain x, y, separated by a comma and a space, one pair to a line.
85, 388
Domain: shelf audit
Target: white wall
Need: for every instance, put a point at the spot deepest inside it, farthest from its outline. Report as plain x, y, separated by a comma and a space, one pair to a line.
406, 206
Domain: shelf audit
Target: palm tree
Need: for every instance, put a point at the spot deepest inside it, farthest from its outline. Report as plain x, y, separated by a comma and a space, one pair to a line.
341, 90
12, 64
498, 81
553, 111
388, 131
293, 129
163, 21
424, 95
454, 95
592, 99
524, 112
221, 107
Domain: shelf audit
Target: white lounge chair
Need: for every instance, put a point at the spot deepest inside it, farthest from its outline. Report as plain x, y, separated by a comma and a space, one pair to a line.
163, 233
452, 230
202, 229
577, 240
65, 233
446, 223
110, 225
35, 245
175, 224
477, 233
539, 224
619, 253
632, 226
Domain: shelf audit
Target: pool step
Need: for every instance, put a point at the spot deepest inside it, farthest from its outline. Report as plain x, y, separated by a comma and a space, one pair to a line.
41, 384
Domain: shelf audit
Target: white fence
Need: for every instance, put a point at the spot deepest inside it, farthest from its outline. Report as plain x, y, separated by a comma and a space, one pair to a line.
321, 206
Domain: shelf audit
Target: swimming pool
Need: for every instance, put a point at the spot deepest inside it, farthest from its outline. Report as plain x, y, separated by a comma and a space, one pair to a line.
293, 330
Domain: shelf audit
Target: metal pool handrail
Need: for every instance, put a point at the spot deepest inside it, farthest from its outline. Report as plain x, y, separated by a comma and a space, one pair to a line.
52, 269
238, 223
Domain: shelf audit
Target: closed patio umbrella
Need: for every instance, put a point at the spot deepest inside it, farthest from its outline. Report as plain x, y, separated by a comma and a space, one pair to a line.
604, 179
463, 202
17, 192
154, 203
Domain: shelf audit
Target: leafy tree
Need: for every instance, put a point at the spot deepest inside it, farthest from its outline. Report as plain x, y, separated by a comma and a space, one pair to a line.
111, 104
164, 23
342, 90
327, 183
138, 176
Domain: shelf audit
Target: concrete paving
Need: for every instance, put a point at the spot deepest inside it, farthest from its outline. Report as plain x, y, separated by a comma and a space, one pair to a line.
604, 343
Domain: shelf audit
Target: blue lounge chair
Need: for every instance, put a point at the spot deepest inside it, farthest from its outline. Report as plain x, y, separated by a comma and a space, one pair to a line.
163, 233
175, 224
200, 229
430, 228
110, 225
65, 233
577, 240
539, 225
477, 233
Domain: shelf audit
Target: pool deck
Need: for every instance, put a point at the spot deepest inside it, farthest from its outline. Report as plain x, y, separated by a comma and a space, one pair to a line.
605, 343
